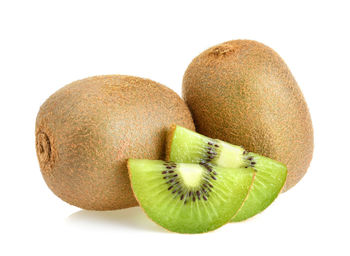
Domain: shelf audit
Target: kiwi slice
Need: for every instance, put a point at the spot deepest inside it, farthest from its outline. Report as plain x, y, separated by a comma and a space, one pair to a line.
270, 179
190, 147
189, 198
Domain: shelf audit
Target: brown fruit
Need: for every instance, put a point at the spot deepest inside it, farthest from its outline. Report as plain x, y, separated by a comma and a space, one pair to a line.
86, 131
242, 92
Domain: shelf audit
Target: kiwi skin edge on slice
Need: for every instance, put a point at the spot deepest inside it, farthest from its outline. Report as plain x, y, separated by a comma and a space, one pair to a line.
189, 198
186, 146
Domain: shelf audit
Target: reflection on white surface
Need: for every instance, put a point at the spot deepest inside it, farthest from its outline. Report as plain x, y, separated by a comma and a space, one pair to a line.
131, 218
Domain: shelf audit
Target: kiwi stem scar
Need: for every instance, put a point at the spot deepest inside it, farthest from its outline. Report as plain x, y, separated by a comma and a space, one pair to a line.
44, 147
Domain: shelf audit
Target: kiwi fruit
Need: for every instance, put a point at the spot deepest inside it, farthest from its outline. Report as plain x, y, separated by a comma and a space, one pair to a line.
86, 131
242, 92
189, 198
188, 146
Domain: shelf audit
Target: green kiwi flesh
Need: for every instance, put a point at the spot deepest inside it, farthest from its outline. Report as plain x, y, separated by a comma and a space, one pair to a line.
190, 147
189, 198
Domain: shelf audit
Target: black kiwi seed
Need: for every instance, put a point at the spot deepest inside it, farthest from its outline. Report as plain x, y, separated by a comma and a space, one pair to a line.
170, 187
210, 143
182, 197
253, 163
205, 198
164, 172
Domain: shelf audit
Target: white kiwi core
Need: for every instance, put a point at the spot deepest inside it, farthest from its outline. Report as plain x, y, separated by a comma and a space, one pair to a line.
191, 174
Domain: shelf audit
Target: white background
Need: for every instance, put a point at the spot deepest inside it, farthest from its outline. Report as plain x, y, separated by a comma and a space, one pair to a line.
47, 44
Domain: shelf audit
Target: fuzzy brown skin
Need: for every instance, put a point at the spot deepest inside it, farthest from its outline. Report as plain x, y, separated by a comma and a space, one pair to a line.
242, 92
86, 131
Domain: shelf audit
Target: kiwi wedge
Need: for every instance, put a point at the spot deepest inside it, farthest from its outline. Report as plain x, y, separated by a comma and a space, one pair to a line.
190, 147
189, 198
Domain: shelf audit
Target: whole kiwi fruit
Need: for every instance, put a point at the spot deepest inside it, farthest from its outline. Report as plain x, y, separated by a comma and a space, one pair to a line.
242, 92
86, 131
